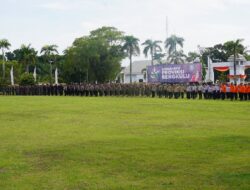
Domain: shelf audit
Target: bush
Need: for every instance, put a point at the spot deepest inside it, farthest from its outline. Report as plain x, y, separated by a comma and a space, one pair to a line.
27, 79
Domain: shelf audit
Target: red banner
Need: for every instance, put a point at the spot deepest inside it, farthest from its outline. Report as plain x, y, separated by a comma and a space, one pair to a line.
221, 69
237, 76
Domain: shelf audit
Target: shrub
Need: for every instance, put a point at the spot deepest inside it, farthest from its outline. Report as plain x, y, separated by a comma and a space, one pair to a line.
27, 79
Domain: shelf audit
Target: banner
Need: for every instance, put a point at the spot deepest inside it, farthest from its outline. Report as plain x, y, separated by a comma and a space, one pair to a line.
175, 73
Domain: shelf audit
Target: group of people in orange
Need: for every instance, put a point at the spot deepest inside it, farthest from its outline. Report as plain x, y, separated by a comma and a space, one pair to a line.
233, 91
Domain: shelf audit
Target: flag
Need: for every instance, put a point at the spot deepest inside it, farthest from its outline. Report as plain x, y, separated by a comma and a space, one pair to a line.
12, 75
56, 76
34, 74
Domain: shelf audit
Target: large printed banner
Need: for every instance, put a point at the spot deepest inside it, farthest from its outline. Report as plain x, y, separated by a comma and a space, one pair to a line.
175, 73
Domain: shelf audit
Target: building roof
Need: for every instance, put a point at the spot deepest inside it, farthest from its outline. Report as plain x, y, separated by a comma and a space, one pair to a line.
228, 64
239, 57
137, 67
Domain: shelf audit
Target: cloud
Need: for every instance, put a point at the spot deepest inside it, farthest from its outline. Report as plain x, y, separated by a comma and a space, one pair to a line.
56, 6
60, 21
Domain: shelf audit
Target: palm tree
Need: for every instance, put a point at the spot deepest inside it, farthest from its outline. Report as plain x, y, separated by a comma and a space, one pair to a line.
177, 57
236, 49
4, 44
153, 47
27, 56
49, 51
131, 48
172, 42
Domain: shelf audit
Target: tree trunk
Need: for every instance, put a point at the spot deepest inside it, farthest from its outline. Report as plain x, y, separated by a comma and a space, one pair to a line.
27, 68
130, 59
235, 66
152, 59
3, 64
50, 73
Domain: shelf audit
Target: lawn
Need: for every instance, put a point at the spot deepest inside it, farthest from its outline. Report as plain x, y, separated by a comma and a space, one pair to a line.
74, 143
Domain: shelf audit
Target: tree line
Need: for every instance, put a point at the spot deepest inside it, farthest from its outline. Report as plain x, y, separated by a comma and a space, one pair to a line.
97, 57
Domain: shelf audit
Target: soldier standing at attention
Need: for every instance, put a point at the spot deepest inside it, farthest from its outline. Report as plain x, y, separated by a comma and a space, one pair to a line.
182, 90
193, 91
200, 90
170, 91
210, 91
188, 89
175, 90
153, 89
217, 91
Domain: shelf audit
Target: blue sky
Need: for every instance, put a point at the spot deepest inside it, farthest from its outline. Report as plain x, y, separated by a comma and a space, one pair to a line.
200, 22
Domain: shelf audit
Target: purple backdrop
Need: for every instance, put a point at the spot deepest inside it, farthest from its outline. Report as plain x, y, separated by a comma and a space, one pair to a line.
175, 73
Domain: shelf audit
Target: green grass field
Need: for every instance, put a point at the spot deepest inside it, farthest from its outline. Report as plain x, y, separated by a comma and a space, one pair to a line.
74, 143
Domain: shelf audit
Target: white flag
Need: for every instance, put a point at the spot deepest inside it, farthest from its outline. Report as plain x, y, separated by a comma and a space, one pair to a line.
34, 74
56, 76
12, 75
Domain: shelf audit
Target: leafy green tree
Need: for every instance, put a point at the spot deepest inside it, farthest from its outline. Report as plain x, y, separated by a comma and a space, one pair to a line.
222, 77
192, 56
96, 57
4, 44
110, 34
27, 56
131, 48
27, 79
159, 57
17, 72
10, 56
151, 47
177, 57
247, 57
172, 43
231, 46
49, 52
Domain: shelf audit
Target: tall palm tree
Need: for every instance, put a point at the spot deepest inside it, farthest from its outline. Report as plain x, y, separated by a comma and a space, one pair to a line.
177, 57
131, 48
4, 44
172, 42
153, 47
27, 56
236, 49
49, 52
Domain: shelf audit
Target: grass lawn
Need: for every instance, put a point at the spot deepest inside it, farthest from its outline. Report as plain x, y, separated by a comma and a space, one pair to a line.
71, 143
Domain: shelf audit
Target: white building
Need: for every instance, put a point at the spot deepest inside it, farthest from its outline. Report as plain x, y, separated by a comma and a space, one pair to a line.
241, 69
139, 73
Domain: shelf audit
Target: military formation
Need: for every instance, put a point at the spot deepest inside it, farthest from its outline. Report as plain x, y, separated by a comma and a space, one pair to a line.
171, 91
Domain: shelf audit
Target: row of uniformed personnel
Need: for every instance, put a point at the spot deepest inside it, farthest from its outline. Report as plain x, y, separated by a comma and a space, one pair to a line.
191, 91
161, 90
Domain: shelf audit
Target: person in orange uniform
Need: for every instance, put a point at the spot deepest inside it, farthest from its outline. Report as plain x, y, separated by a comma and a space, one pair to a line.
241, 88
245, 93
223, 90
248, 91
233, 91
